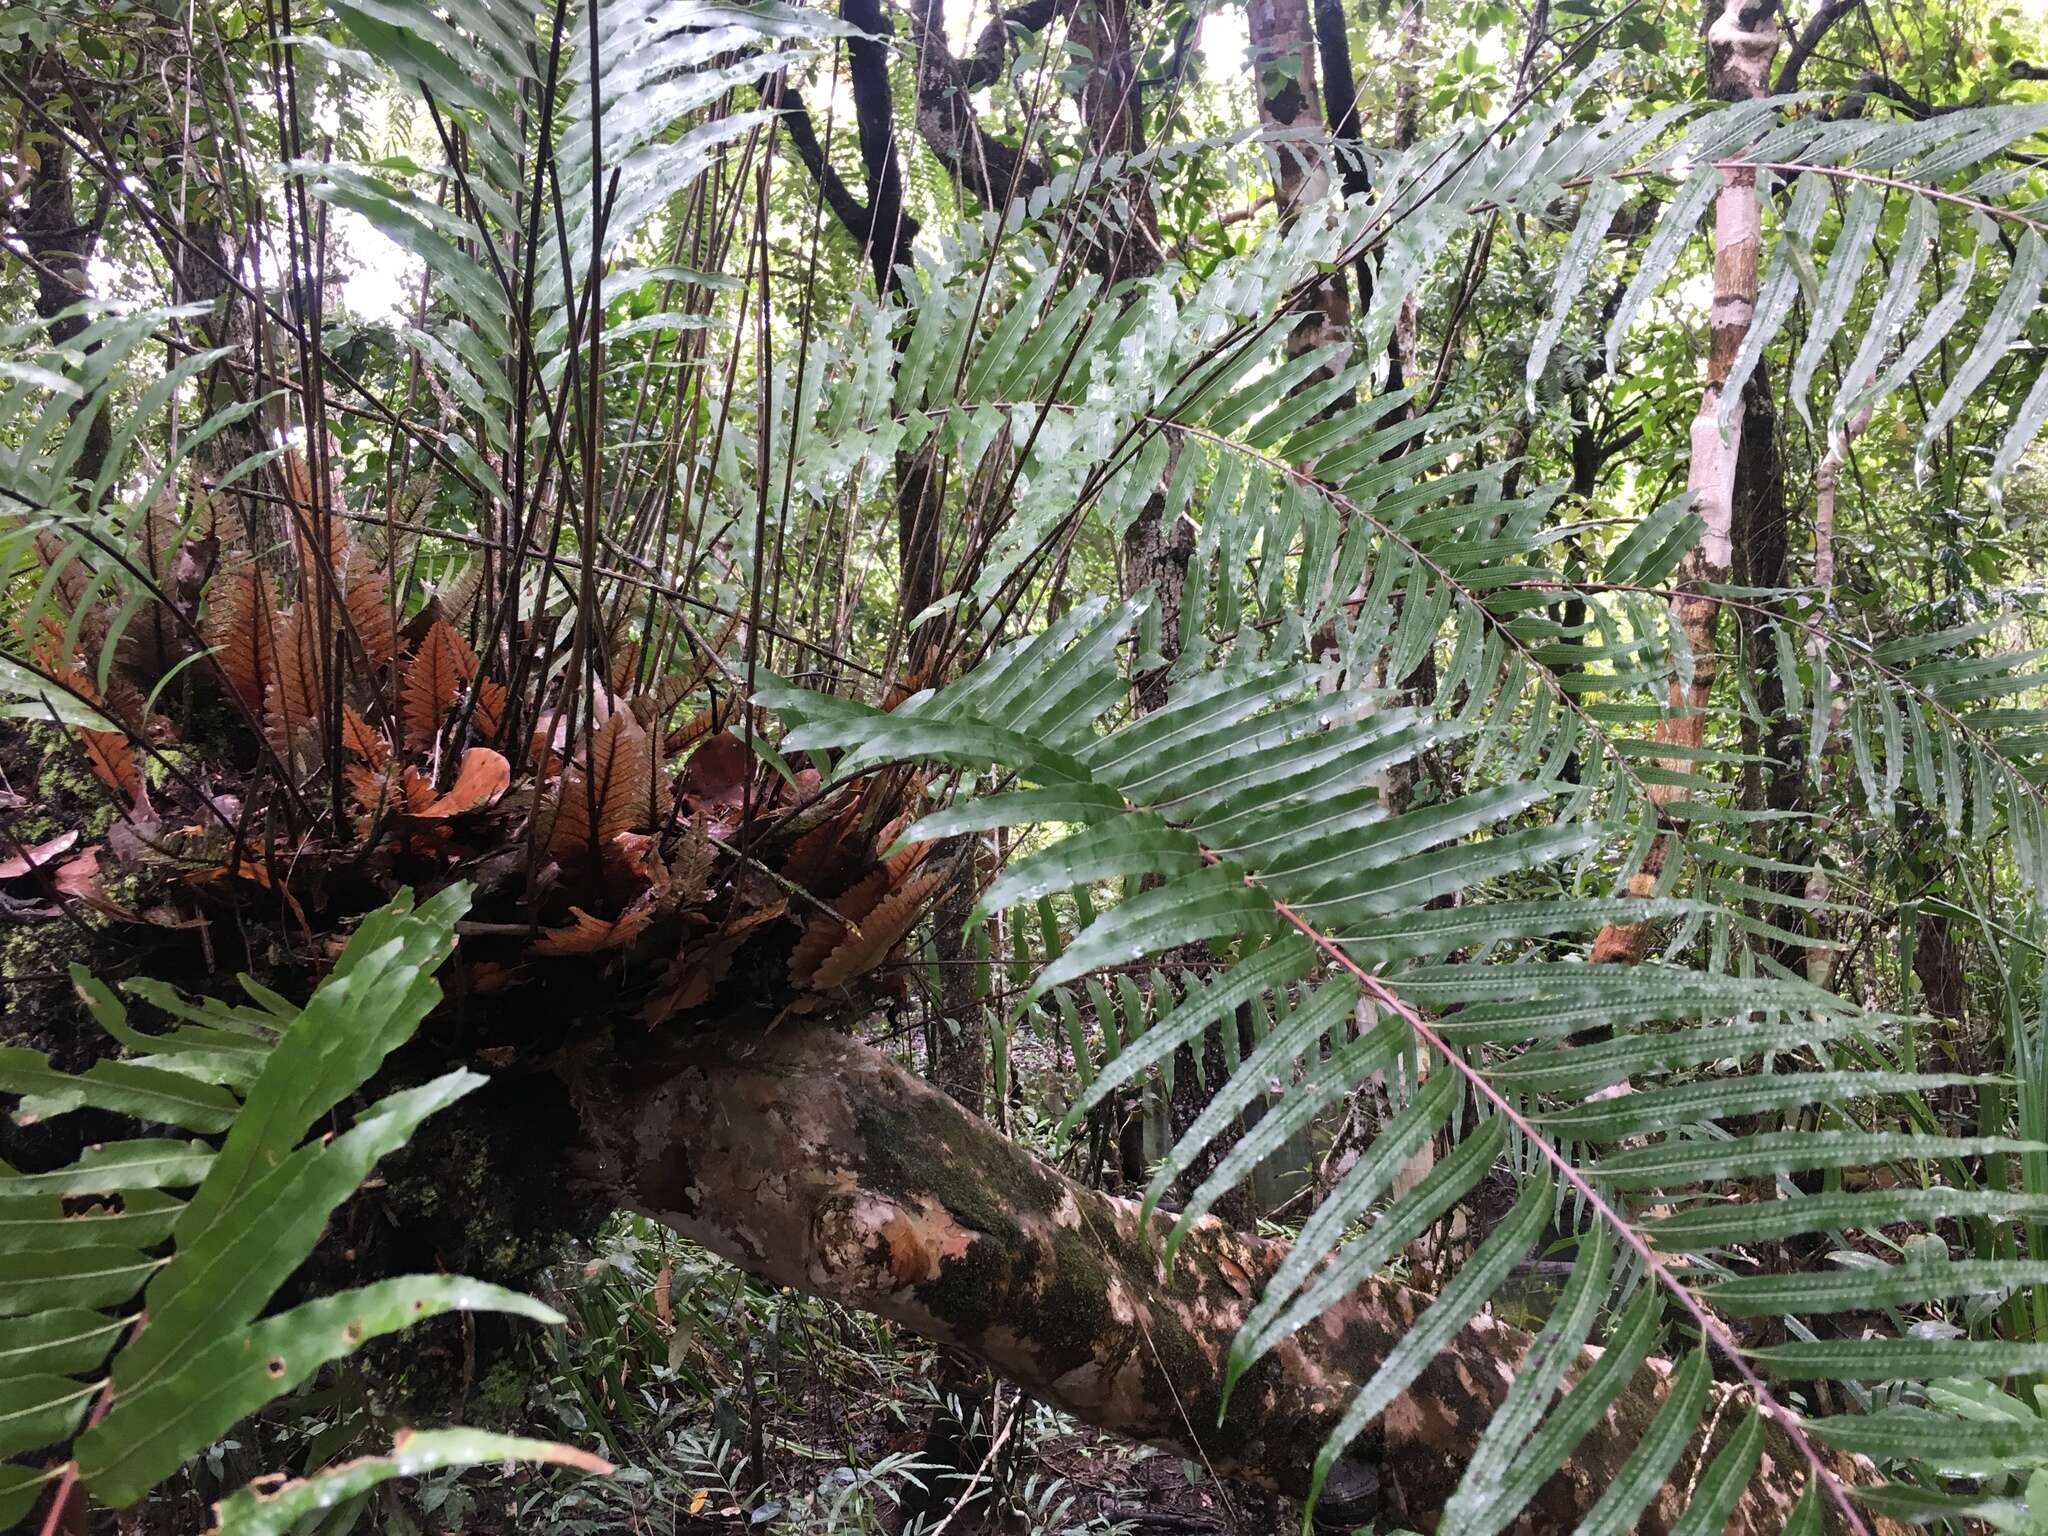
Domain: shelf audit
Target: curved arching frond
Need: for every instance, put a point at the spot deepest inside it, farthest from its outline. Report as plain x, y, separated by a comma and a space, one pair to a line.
1221, 819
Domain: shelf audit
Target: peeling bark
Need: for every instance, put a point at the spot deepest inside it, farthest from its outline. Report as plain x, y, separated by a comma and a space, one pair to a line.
1283, 62
1123, 241
815, 1162
1347, 132
1742, 37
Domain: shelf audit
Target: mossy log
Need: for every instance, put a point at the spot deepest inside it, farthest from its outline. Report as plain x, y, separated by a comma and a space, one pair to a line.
813, 1161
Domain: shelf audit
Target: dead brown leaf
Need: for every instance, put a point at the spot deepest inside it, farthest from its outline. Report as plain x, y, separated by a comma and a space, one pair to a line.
432, 683
590, 935
37, 855
483, 776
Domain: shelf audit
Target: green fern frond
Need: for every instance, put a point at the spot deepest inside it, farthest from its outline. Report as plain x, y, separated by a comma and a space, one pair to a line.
205, 1265
1139, 801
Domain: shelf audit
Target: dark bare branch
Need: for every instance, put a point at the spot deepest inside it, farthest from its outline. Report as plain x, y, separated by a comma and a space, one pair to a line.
994, 170
1808, 40
984, 66
850, 211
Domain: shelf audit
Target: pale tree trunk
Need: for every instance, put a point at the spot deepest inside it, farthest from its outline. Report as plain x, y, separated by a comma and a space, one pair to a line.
1741, 39
815, 1162
1283, 63
1404, 366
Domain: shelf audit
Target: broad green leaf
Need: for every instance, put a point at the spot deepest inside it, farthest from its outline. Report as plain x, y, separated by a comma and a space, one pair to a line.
1674, 228
20, 1487
1899, 1359
277, 1511
1128, 848
1914, 1434
1212, 903
1365, 1181
380, 989
1696, 1103
1324, 1012
1428, 934
1441, 1188
1863, 1288
144, 1093
1596, 217
1714, 1226
1628, 1345
134, 1218
118, 1165
1893, 308
1323, 1082
1584, 1068
2001, 328
1269, 968
1657, 543
71, 1277
62, 1341
41, 1409
222, 1276
1430, 1333
2024, 426
1081, 804
1428, 877
152, 1430
1778, 288
1846, 261
1940, 321
1921, 1505
1714, 1496
1320, 865
222, 1048
45, 701
1691, 1162
965, 744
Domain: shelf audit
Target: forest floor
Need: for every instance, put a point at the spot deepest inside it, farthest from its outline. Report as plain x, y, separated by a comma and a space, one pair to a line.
690, 1377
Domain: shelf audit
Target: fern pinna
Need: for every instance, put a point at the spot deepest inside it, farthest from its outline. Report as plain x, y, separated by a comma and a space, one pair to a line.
1245, 816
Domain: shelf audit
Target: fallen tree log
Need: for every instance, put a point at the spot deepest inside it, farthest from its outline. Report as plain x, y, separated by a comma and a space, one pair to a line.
813, 1161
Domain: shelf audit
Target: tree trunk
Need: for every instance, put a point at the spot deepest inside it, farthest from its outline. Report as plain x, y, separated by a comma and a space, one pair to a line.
1123, 241
1347, 128
812, 1161
890, 228
1283, 61
1123, 245
994, 170
59, 244
1741, 38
